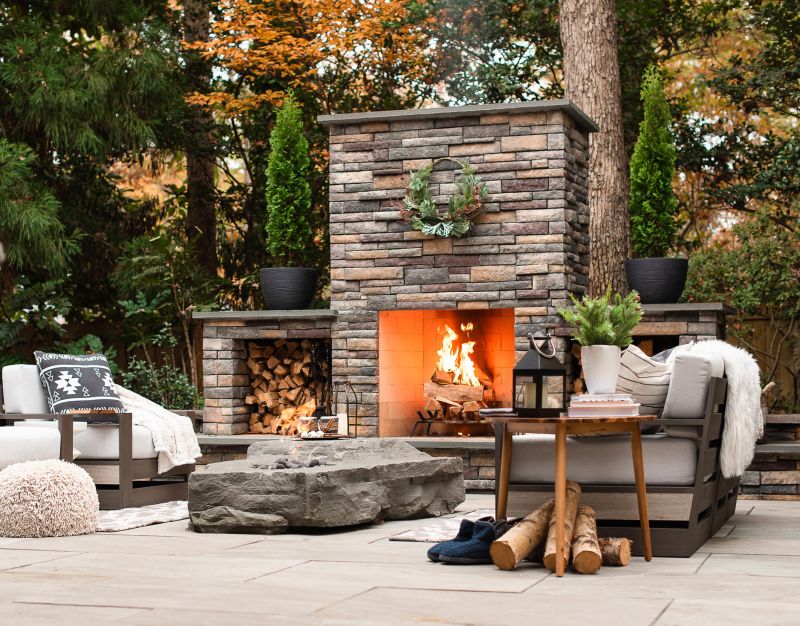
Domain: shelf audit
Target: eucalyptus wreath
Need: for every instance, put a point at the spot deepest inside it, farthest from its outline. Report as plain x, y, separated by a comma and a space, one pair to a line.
462, 207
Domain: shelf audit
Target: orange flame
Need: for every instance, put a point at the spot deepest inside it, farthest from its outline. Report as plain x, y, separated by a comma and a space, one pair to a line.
457, 358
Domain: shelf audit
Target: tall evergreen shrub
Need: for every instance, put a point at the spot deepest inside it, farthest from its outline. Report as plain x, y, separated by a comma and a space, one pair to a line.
289, 226
653, 206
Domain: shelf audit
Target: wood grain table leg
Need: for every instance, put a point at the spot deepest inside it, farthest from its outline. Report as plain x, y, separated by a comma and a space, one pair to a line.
505, 471
561, 494
641, 490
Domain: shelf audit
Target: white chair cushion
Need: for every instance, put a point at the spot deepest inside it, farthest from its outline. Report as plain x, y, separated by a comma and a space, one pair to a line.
604, 460
28, 444
101, 442
23, 391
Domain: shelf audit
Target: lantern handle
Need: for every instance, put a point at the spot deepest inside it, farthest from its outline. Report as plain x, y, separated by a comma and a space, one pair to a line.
547, 340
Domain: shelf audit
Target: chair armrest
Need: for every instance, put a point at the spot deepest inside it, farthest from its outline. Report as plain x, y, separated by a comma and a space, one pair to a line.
92, 418
680, 422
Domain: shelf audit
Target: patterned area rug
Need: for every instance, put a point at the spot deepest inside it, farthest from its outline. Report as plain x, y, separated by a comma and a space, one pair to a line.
442, 528
125, 519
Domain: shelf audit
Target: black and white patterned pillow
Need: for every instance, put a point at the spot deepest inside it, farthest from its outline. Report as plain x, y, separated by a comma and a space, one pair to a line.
78, 383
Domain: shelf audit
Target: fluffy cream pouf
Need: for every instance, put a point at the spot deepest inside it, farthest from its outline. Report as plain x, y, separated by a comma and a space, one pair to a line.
47, 499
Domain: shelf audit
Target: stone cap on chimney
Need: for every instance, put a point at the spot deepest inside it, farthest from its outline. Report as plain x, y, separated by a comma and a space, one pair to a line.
583, 121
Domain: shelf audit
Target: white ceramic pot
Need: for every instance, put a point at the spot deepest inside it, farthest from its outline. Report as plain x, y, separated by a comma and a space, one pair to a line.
600, 368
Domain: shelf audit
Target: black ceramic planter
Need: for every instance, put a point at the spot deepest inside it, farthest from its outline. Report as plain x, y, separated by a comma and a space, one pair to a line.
658, 280
287, 288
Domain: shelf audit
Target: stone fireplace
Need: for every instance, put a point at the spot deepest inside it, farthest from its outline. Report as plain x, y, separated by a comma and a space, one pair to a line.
393, 287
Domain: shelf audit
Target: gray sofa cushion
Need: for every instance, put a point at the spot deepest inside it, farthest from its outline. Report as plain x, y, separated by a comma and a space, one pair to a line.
23, 391
604, 460
688, 390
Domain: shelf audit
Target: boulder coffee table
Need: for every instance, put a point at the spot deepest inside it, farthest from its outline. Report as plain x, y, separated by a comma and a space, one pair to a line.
561, 427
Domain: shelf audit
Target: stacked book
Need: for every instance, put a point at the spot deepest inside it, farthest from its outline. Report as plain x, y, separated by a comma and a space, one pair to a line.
603, 405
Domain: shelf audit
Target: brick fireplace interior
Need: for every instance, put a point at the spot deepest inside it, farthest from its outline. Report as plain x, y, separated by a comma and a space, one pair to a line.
414, 344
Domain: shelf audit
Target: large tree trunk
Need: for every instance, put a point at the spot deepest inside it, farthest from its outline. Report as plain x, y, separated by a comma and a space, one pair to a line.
201, 219
591, 73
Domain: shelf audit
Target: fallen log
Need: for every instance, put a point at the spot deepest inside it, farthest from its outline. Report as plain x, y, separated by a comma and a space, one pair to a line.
586, 556
616, 551
522, 539
570, 513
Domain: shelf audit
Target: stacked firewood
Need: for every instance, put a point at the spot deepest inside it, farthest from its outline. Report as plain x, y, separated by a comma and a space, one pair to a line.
286, 383
534, 538
452, 402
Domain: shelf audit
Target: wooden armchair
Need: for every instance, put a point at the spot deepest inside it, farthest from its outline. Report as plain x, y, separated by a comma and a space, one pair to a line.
121, 482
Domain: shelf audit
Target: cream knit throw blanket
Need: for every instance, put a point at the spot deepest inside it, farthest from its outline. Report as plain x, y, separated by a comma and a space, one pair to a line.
744, 422
173, 434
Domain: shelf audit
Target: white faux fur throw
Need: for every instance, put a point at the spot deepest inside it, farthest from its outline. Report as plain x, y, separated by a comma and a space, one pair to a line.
744, 422
173, 434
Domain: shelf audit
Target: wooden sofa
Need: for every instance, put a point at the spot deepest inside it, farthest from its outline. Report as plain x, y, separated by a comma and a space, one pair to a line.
682, 516
121, 482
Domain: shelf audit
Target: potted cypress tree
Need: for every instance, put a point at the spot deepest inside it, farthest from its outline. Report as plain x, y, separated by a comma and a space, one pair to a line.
653, 206
289, 284
603, 326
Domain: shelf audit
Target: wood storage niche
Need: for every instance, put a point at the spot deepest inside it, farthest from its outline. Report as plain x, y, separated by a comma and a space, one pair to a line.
289, 379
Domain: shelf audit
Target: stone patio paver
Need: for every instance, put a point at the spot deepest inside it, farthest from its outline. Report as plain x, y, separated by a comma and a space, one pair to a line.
165, 574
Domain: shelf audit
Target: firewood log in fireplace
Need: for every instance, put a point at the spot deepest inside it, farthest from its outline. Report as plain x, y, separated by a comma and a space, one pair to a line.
286, 384
455, 402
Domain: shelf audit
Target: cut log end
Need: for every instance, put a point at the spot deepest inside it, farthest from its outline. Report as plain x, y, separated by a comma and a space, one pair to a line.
616, 551
522, 539
586, 555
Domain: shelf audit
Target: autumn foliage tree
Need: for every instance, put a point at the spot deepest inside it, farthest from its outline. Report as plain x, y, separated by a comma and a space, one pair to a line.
348, 54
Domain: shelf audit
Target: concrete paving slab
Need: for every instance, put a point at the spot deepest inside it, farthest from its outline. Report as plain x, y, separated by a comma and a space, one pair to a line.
403, 606
13, 559
730, 613
44, 614
358, 577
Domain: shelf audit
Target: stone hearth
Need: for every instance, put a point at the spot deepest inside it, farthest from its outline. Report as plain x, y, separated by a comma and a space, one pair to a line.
359, 481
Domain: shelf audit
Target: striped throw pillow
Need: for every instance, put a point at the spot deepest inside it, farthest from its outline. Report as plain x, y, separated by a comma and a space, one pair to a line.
645, 379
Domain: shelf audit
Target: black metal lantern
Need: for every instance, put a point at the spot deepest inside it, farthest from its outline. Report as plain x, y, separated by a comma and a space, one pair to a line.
540, 380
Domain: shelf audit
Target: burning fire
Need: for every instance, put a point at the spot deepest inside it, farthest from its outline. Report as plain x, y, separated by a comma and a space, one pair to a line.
456, 359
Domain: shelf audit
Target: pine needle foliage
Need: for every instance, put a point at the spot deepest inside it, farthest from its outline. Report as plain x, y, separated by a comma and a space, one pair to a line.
604, 321
33, 237
653, 206
289, 227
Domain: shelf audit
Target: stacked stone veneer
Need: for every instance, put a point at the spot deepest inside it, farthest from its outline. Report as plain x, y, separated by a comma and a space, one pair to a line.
226, 377
526, 252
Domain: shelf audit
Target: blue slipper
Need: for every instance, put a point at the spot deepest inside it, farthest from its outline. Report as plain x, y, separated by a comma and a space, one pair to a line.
475, 551
464, 534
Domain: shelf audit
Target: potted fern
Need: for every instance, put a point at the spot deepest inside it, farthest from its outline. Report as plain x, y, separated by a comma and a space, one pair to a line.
603, 326
653, 206
290, 284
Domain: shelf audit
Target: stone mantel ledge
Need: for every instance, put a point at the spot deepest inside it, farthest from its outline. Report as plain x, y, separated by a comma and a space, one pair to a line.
212, 317
583, 121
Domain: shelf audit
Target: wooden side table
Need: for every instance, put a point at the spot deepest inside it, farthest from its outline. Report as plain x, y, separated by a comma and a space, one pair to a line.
561, 427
